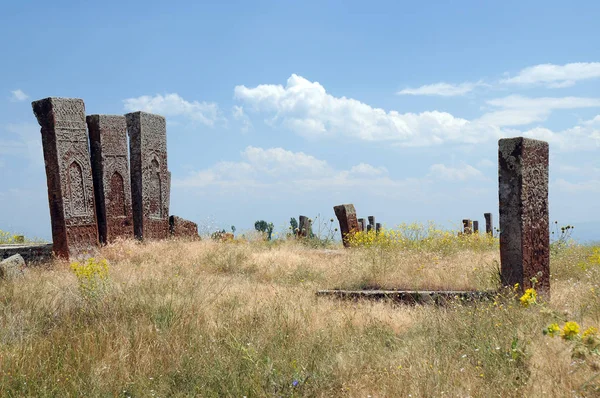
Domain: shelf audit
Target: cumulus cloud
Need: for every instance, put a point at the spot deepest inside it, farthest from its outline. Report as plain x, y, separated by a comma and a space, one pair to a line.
18, 96
459, 173
239, 115
207, 113
584, 136
442, 89
281, 170
306, 108
516, 110
556, 76
591, 186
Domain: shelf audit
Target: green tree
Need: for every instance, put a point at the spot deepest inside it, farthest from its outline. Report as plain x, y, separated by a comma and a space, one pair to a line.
263, 226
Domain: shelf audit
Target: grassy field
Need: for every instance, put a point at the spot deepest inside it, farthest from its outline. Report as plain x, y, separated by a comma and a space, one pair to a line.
180, 318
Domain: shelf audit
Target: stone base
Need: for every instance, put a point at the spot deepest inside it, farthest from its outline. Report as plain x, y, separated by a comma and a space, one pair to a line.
410, 296
31, 253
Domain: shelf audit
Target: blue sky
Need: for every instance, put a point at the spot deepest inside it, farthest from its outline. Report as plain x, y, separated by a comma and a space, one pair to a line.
278, 108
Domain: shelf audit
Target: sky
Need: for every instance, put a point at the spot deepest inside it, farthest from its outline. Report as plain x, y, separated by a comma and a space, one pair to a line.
277, 109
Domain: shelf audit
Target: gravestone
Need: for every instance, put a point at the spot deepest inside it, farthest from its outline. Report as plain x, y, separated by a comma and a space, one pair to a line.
489, 226
371, 222
467, 226
377, 228
346, 215
475, 227
180, 227
524, 223
362, 225
369, 227
150, 178
304, 226
110, 169
68, 174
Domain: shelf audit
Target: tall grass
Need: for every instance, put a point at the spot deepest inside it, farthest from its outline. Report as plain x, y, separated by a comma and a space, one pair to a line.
178, 318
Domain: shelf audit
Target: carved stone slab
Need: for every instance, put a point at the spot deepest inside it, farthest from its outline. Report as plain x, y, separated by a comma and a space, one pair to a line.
362, 226
68, 174
150, 178
110, 169
524, 223
346, 215
180, 227
304, 226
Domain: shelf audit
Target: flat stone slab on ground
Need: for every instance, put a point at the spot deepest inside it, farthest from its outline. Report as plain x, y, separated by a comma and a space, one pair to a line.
31, 252
410, 296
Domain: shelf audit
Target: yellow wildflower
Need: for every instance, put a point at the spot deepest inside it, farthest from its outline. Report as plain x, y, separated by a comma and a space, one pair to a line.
529, 297
570, 330
590, 331
552, 330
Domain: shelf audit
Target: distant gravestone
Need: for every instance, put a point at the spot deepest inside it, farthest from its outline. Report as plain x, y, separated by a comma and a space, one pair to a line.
371, 222
304, 226
377, 228
346, 215
68, 173
150, 178
362, 225
467, 226
489, 226
524, 223
475, 227
110, 169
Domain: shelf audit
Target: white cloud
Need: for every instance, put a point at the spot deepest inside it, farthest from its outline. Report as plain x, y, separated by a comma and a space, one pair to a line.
307, 109
239, 115
590, 186
281, 170
207, 113
585, 136
18, 96
442, 89
556, 76
517, 110
459, 173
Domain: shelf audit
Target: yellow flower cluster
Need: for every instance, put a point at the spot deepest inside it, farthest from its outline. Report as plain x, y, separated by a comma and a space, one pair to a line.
570, 330
92, 276
422, 237
529, 297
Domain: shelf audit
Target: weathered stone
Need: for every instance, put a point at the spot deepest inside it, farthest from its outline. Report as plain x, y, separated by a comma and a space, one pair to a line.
467, 226
475, 227
524, 223
12, 267
489, 226
68, 174
110, 169
304, 226
346, 215
362, 225
377, 228
150, 178
369, 227
180, 227
32, 253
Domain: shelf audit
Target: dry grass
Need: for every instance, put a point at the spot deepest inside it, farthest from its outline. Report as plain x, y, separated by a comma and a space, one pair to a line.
241, 319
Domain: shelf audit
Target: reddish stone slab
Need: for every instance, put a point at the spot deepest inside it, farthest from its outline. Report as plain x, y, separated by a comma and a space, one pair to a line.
524, 222
150, 178
304, 226
346, 215
362, 226
467, 226
68, 174
110, 169
180, 227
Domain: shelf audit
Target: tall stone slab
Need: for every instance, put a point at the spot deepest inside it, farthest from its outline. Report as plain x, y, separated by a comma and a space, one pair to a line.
68, 174
489, 226
362, 225
524, 222
476, 227
150, 178
110, 170
467, 226
346, 215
